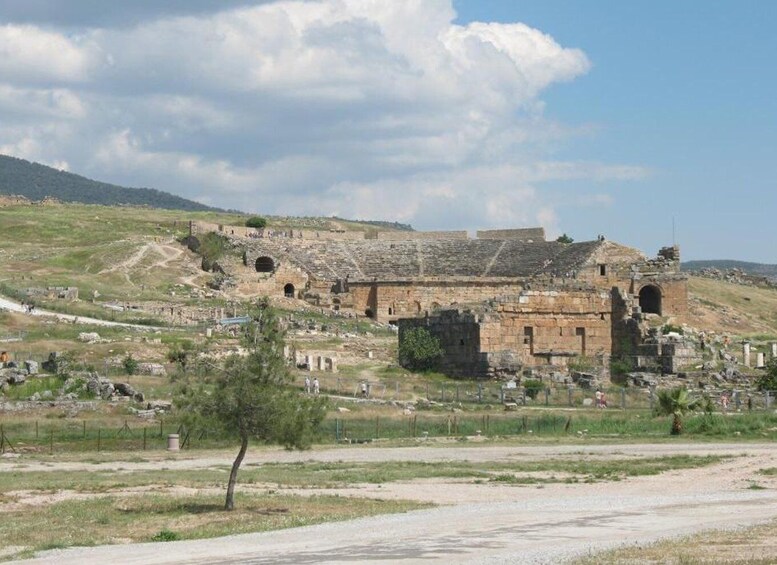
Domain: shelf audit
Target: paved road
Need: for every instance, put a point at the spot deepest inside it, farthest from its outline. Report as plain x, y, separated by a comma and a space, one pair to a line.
494, 523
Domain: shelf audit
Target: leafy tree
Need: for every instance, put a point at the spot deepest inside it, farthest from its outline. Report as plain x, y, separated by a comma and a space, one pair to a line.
130, 364
768, 381
676, 403
181, 353
251, 398
256, 222
564, 239
419, 350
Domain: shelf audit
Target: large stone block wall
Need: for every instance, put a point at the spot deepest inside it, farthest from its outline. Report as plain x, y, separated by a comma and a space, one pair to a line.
532, 330
523, 234
390, 301
414, 235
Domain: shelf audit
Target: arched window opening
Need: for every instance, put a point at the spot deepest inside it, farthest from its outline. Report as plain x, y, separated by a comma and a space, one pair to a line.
650, 299
265, 265
288, 291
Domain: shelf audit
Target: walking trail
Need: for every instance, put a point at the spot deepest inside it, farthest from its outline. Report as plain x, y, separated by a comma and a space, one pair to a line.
477, 523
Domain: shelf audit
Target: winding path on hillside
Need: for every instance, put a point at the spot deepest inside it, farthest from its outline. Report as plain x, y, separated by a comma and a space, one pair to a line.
483, 523
13, 306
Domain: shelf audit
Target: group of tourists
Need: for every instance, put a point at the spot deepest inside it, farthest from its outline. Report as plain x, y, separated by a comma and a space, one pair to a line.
29, 307
312, 387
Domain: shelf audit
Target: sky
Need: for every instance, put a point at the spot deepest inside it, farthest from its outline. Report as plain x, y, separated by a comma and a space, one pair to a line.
647, 121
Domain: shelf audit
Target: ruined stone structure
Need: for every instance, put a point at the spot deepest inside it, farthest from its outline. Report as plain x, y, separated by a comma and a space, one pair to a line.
548, 302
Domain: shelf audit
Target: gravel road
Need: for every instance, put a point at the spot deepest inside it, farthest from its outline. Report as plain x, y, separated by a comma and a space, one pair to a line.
12, 306
481, 523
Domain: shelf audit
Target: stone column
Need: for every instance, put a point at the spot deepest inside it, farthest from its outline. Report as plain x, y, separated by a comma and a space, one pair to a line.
746, 353
309, 362
759, 360
321, 363
774, 350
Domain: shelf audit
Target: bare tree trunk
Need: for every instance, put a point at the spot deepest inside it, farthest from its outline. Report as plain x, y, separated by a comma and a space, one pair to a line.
230, 503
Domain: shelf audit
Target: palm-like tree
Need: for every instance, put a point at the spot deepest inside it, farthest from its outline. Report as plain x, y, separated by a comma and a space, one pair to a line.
676, 402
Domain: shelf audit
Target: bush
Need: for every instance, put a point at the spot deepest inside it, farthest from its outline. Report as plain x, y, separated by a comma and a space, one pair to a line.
166, 535
533, 387
419, 350
768, 381
256, 222
670, 328
564, 239
130, 365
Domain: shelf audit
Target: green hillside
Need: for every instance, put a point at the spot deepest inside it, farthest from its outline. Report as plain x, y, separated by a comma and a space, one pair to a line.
36, 182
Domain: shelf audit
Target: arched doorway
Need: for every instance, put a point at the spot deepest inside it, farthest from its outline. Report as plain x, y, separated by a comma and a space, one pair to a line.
265, 265
650, 299
288, 291
369, 313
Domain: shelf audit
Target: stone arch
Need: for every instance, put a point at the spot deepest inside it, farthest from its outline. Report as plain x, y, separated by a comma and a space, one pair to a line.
265, 264
650, 299
288, 290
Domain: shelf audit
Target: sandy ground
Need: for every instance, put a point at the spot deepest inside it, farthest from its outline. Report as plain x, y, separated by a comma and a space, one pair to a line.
476, 523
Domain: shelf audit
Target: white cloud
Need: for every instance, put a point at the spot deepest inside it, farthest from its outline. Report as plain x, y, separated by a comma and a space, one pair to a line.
368, 108
28, 53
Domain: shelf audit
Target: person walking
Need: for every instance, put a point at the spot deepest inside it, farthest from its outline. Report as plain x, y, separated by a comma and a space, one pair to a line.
315, 386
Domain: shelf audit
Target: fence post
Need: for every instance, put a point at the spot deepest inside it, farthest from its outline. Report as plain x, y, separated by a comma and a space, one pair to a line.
547, 396
457, 394
36, 429
651, 394
523, 396
99, 437
84, 431
623, 398
442, 392
51, 441
377, 427
144, 439
161, 426
480, 393
569, 395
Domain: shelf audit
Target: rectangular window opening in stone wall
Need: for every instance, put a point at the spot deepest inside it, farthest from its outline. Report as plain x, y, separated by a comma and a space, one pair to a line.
528, 338
580, 332
603, 270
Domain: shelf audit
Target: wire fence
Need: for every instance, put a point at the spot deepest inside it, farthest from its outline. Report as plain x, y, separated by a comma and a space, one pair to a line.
555, 396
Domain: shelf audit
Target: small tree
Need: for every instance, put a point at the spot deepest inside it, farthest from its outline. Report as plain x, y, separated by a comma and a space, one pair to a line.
256, 222
676, 403
533, 387
419, 350
564, 239
130, 364
768, 381
180, 354
251, 397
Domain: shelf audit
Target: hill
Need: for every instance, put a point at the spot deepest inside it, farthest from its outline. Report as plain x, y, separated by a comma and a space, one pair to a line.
757, 269
35, 182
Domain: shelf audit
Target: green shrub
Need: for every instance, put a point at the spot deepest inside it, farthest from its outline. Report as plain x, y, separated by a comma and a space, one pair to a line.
130, 365
533, 387
166, 535
419, 350
669, 328
256, 222
768, 381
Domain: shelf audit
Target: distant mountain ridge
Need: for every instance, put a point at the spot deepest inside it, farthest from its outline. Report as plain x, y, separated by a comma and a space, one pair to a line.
758, 269
35, 182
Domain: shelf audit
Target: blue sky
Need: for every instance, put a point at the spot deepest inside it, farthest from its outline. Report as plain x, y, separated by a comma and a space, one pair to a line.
687, 89
586, 117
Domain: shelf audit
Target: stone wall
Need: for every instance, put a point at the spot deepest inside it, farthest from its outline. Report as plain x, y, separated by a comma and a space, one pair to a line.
536, 329
415, 235
523, 234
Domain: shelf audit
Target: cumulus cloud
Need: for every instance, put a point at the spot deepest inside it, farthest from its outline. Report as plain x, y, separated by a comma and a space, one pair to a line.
362, 108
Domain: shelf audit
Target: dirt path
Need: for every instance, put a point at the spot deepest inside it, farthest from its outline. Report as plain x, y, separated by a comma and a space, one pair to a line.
480, 523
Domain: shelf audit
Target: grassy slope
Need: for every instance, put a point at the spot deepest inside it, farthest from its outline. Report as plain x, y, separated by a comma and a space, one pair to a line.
731, 308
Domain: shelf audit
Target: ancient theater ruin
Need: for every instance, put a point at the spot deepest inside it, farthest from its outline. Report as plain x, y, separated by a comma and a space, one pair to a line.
501, 302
